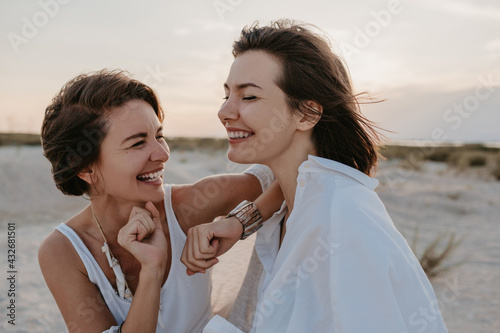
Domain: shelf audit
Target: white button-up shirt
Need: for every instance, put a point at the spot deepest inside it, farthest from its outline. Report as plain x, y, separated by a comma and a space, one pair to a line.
342, 265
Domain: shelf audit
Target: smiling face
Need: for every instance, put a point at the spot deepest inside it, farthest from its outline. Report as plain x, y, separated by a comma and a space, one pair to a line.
259, 124
133, 155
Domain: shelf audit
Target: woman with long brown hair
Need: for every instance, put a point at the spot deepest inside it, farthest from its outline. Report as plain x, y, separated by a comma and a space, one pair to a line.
333, 260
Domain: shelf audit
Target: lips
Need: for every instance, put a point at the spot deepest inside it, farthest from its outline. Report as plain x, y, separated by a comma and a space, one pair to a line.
151, 177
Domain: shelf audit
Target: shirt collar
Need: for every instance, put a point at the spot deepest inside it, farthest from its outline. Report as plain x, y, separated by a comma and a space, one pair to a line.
320, 164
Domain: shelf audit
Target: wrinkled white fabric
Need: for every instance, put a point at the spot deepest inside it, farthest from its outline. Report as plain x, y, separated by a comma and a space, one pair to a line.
185, 300
263, 174
342, 266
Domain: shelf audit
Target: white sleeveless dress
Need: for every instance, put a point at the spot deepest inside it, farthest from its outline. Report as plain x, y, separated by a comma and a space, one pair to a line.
185, 300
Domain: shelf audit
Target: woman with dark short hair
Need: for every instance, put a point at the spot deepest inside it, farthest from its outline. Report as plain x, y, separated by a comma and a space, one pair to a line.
114, 267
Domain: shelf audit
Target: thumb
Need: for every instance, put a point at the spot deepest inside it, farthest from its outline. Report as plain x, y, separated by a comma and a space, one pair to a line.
215, 244
155, 214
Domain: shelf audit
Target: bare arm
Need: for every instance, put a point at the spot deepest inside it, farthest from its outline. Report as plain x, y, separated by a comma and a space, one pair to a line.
210, 240
212, 196
80, 301
144, 238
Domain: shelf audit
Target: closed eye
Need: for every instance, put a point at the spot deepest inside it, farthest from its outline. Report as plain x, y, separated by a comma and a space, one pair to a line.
249, 98
138, 144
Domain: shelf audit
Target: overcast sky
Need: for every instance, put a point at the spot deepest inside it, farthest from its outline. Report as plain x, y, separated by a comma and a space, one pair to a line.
436, 63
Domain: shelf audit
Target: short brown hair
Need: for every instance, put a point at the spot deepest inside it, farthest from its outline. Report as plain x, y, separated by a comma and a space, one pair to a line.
75, 123
311, 71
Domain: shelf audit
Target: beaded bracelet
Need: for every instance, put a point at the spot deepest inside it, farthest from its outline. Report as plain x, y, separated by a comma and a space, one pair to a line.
249, 216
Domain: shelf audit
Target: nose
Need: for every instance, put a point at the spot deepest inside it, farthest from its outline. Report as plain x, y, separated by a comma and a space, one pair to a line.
160, 152
228, 111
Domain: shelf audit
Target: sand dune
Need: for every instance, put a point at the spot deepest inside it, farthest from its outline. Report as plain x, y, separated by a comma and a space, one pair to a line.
434, 198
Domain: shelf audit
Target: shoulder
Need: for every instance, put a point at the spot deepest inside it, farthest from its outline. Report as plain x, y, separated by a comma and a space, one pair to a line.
352, 214
337, 195
181, 196
56, 253
179, 193
54, 243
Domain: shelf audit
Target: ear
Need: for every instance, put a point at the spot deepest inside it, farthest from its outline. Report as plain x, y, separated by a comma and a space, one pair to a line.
308, 121
87, 175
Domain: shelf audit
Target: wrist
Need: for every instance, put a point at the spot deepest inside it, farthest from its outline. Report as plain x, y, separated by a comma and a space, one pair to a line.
152, 274
234, 224
249, 217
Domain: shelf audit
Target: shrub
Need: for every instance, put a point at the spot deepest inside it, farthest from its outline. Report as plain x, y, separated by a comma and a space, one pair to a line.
432, 259
439, 155
466, 159
496, 168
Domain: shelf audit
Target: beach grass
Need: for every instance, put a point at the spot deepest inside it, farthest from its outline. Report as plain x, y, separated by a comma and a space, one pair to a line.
461, 157
435, 255
19, 139
28, 139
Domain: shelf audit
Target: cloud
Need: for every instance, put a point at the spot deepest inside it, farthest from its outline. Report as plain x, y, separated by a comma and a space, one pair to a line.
467, 9
492, 45
181, 32
214, 26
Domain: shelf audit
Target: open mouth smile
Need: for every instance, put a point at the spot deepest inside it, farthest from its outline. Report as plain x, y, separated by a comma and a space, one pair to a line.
239, 135
151, 177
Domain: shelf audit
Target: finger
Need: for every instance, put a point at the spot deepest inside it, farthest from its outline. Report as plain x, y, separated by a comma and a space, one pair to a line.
142, 225
191, 273
138, 210
209, 264
215, 244
149, 223
212, 262
155, 214
197, 263
208, 244
134, 230
186, 257
195, 254
203, 249
191, 250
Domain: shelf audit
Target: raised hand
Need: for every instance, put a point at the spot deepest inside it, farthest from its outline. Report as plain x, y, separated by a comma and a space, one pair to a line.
206, 242
144, 238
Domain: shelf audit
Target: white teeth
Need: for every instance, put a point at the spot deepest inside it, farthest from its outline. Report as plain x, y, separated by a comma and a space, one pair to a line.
151, 176
238, 135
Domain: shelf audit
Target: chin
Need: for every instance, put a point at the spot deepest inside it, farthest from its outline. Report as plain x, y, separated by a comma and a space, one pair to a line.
237, 156
155, 196
161, 194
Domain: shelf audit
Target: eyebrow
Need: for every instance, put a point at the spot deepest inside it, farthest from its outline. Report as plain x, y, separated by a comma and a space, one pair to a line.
139, 135
243, 86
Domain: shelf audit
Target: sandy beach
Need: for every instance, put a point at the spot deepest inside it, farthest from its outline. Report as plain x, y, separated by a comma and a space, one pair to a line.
435, 199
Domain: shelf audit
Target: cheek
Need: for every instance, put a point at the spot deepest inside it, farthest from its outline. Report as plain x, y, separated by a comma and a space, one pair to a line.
275, 128
119, 165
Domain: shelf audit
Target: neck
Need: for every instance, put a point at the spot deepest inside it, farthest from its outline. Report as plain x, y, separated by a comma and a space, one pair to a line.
286, 166
111, 215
